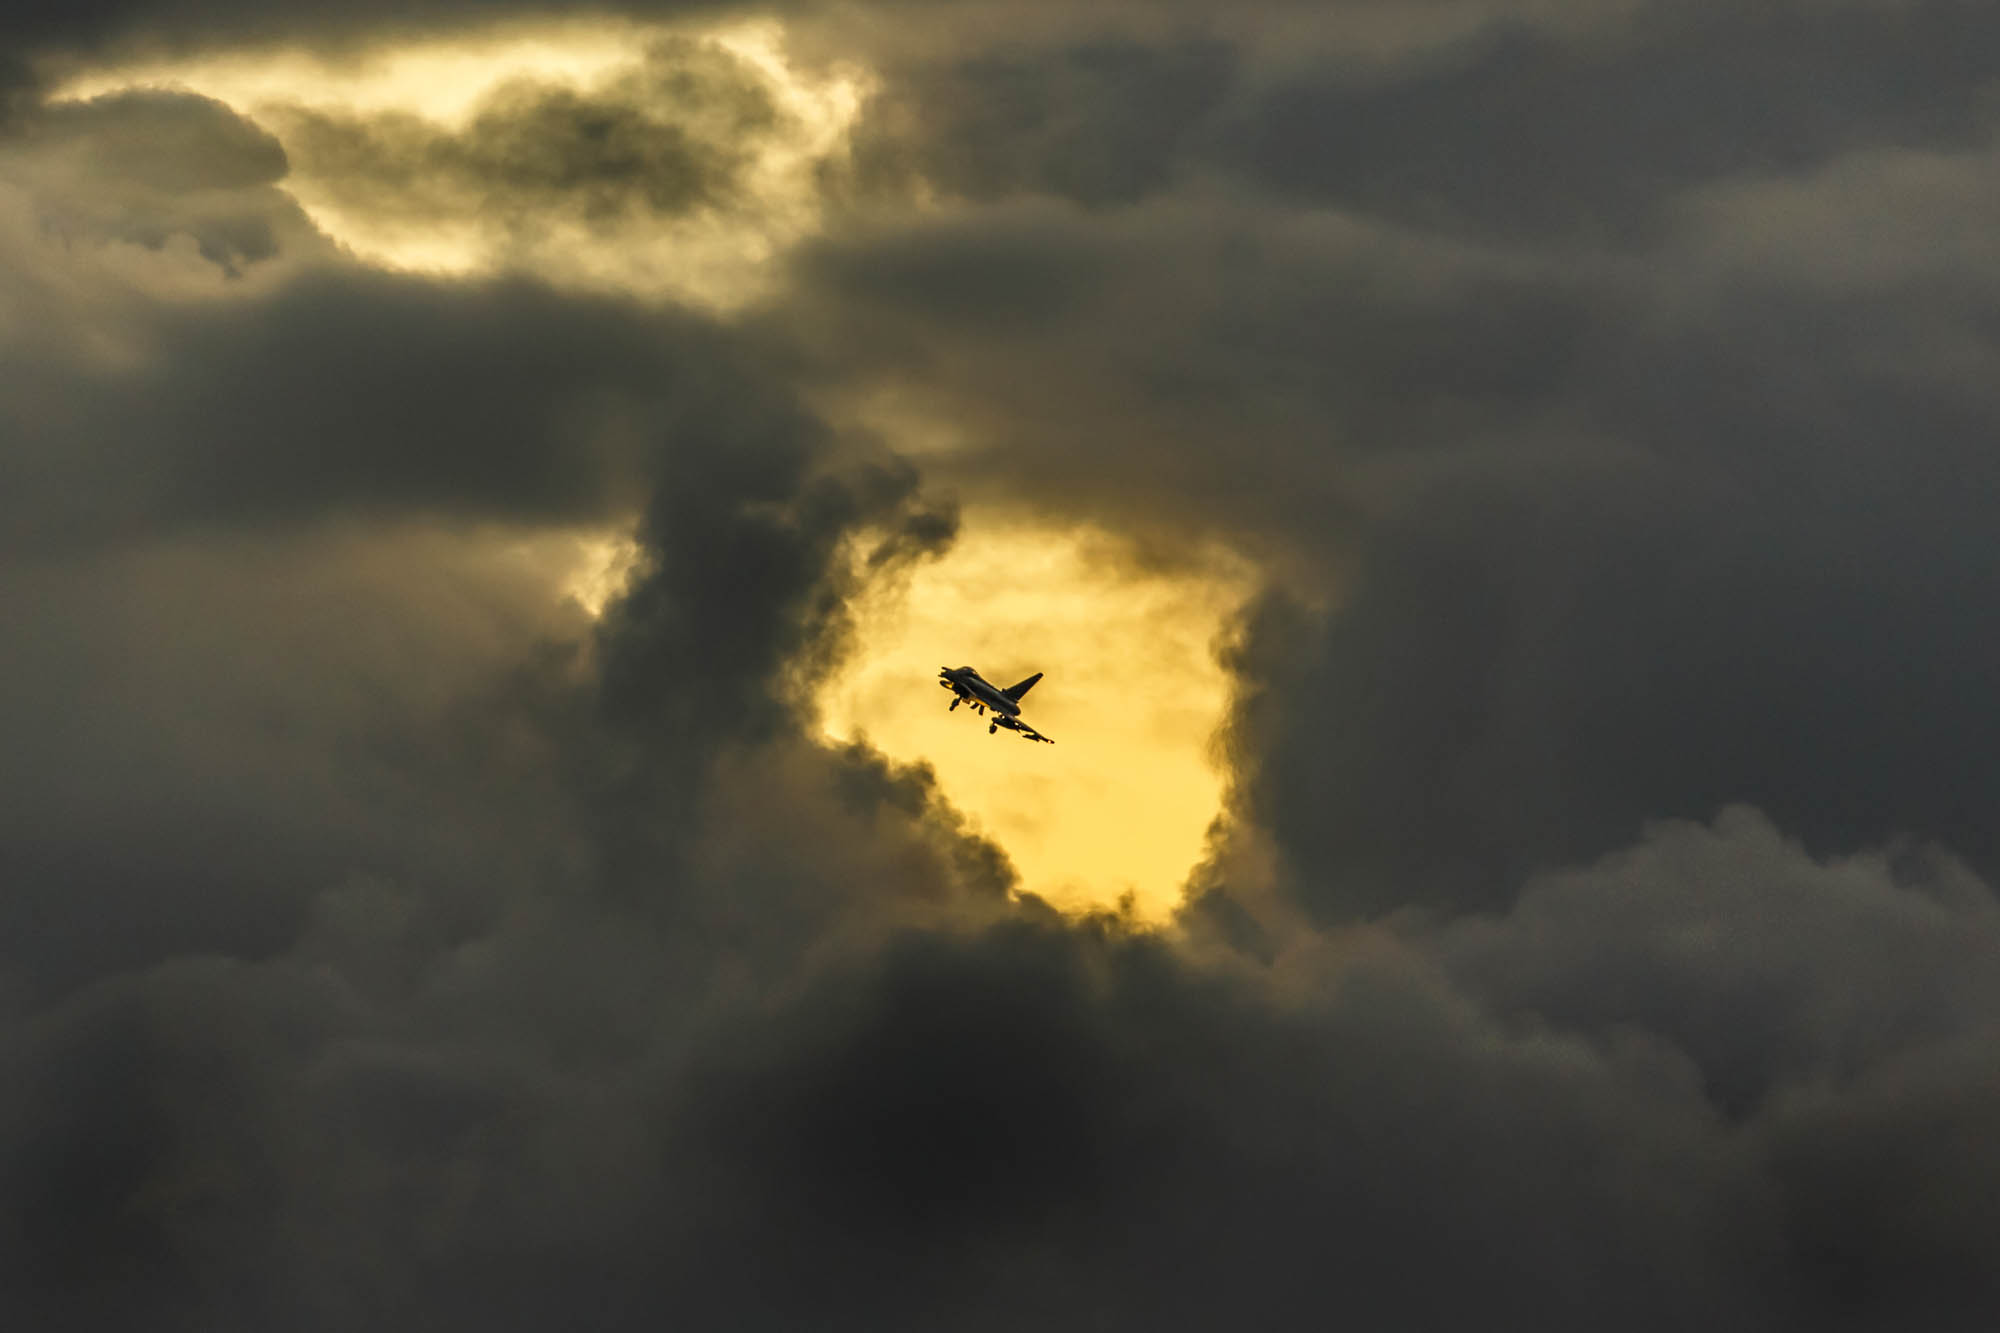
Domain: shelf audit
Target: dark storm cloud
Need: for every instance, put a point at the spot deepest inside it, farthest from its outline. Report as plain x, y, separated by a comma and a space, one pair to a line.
1843, 1012
739, 609
1136, 1142
1103, 123
1772, 593
385, 945
354, 391
1889, 1191
255, 640
1177, 361
1614, 536
1638, 535
349, 391
1523, 131
223, 742
977, 1128
1770, 970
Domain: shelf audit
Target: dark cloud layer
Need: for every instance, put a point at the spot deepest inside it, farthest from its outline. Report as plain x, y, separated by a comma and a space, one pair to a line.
1771, 590
1027, 1122
344, 390
1523, 130
1102, 123
1602, 934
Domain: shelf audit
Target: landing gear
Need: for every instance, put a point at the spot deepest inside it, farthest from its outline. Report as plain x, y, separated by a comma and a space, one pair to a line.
954, 705
992, 727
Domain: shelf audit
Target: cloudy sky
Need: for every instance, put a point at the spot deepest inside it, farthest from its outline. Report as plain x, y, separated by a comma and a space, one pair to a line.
1503, 492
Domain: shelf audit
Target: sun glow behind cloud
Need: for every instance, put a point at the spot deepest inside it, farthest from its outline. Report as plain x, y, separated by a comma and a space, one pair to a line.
1122, 803
596, 567
717, 254
1118, 809
1121, 806
441, 79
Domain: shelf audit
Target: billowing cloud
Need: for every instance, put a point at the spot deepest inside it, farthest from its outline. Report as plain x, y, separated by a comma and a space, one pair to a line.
312, 386
529, 151
1066, 1106
1772, 971
155, 171
635, 160
415, 917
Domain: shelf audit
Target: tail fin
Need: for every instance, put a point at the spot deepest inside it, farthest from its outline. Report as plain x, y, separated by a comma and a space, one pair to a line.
1015, 692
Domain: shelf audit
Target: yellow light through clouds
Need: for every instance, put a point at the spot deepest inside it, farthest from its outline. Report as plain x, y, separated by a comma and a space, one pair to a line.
441, 79
1119, 808
1121, 803
596, 568
716, 255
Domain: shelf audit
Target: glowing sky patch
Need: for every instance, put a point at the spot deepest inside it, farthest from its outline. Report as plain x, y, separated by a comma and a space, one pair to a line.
596, 568
440, 78
716, 256
1121, 805
1133, 693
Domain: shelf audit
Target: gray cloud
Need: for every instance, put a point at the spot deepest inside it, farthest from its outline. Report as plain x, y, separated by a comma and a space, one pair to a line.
1062, 1107
162, 141
1103, 123
1527, 131
148, 168
350, 391
1614, 536
1763, 587
1072, 1111
387, 944
1771, 970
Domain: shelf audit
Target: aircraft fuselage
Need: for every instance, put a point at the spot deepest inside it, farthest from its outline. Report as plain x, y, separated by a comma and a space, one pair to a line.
970, 685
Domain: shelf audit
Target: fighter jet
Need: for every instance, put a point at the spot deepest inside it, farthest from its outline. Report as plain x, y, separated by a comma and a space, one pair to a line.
969, 687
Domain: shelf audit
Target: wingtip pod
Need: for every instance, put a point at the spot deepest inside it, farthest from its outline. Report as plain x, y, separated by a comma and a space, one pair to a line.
1019, 728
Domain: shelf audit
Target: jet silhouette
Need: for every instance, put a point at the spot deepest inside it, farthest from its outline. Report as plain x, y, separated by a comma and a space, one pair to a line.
1004, 706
